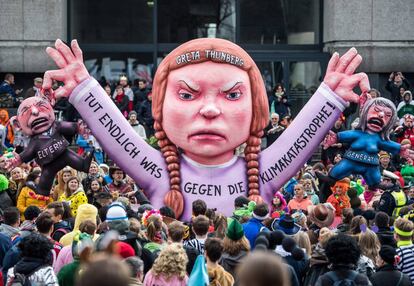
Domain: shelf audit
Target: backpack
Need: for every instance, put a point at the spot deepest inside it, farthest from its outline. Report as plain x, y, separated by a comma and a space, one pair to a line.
62, 230
22, 279
348, 281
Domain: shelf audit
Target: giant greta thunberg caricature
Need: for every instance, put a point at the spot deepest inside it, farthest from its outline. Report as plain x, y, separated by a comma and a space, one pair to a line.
48, 145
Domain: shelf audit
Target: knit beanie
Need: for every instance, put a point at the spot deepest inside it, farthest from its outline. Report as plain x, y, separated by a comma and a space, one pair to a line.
124, 249
116, 211
235, 230
388, 254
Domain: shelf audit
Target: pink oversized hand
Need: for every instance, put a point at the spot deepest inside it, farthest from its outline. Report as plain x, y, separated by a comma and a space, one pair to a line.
72, 69
330, 139
340, 75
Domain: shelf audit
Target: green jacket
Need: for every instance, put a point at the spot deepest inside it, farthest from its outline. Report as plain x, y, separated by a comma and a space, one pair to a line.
68, 273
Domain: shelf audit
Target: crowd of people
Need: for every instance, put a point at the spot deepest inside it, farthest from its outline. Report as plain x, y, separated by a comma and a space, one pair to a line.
99, 228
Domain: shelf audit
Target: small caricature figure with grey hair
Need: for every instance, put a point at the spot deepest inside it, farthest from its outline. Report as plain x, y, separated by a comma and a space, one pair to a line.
377, 119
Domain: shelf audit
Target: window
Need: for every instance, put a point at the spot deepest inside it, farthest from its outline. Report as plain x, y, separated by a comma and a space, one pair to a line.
304, 80
183, 20
293, 22
112, 65
106, 21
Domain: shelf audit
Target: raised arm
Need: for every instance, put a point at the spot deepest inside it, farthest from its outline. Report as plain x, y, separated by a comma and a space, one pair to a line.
295, 146
113, 132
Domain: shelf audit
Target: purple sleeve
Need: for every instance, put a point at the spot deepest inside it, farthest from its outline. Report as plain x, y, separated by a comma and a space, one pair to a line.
284, 158
119, 140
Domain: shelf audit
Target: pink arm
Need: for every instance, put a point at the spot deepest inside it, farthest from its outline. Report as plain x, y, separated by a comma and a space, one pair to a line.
284, 158
123, 145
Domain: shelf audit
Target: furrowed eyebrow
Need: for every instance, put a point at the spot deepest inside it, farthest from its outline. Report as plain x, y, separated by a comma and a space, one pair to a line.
193, 89
233, 86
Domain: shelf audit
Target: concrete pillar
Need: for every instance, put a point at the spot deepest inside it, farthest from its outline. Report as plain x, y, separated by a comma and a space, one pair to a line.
27, 27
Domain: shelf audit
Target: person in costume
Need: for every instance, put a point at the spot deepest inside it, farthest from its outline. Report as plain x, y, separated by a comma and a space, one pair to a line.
28, 195
378, 117
339, 198
48, 143
208, 98
74, 195
279, 206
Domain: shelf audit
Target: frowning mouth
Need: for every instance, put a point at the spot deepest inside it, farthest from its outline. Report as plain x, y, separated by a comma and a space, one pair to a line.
376, 121
39, 123
207, 135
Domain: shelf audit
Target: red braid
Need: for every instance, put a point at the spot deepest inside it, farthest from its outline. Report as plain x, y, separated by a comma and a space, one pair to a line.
174, 199
252, 159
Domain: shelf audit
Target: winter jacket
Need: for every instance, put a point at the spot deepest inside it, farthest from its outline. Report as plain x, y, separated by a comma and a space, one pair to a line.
5, 200
37, 270
9, 231
145, 113
151, 280
230, 262
313, 197
365, 266
389, 275
251, 230
28, 197
192, 254
373, 197
219, 277
12, 256
85, 212
65, 257
300, 266
5, 88
5, 245
68, 273
139, 129
75, 200
386, 237
405, 133
60, 229
394, 89
342, 273
319, 265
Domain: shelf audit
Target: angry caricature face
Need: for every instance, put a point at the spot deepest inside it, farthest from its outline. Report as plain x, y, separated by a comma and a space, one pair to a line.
35, 115
378, 118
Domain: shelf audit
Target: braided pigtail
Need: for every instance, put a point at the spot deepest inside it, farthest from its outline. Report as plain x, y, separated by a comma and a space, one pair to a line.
252, 159
174, 198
